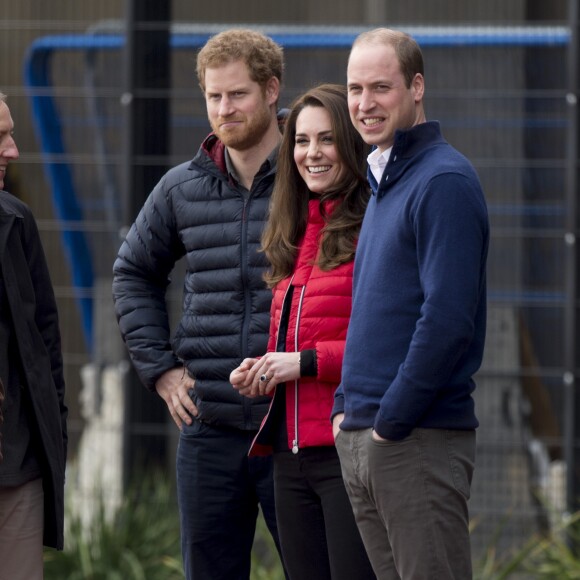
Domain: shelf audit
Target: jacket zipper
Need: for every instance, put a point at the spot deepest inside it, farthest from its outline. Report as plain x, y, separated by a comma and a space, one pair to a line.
295, 446
247, 305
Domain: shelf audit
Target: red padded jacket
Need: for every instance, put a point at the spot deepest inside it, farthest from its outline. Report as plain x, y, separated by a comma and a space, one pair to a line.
319, 314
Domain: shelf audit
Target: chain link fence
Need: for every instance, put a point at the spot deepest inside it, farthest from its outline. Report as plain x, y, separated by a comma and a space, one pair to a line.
500, 87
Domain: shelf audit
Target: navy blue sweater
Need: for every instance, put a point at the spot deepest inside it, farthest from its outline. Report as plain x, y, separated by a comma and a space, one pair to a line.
417, 329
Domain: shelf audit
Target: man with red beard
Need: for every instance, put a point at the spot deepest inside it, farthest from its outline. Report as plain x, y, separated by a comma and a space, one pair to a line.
211, 211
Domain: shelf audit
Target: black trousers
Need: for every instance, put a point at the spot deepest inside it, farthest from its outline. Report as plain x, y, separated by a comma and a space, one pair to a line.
219, 490
318, 533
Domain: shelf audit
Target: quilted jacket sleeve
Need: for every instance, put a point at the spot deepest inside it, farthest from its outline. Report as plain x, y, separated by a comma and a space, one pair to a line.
140, 279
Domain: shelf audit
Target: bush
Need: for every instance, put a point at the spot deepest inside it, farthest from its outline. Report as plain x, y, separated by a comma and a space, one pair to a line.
140, 541
551, 556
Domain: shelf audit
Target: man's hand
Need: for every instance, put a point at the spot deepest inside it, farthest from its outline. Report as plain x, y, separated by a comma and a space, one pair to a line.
239, 375
336, 421
173, 387
377, 437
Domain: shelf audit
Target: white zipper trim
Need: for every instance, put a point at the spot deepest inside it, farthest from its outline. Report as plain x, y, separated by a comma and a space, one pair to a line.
295, 446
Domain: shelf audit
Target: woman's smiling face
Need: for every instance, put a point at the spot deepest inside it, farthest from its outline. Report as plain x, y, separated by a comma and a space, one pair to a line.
315, 153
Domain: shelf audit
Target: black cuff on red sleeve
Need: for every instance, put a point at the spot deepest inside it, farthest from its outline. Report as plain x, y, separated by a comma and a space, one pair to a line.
308, 363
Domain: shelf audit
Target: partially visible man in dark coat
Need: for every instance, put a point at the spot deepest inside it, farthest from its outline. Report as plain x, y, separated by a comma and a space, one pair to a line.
34, 436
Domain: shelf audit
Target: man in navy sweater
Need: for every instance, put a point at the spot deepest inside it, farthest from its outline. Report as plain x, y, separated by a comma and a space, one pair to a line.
404, 418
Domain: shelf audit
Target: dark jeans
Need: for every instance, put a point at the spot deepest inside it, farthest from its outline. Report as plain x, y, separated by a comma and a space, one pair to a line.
410, 501
219, 489
318, 533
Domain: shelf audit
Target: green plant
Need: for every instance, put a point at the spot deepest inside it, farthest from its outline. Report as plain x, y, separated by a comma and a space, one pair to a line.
553, 556
265, 560
558, 554
140, 541
499, 566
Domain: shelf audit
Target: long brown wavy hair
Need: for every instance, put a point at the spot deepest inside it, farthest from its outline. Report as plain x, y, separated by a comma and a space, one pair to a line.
289, 202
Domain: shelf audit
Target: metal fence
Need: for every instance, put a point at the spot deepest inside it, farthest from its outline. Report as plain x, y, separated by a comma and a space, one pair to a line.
503, 97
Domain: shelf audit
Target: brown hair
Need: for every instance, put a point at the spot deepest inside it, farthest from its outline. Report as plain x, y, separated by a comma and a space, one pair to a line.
289, 202
406, 48
263, 57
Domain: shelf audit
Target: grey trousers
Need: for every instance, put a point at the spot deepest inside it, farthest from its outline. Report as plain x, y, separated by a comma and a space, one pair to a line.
21, 531
409, 499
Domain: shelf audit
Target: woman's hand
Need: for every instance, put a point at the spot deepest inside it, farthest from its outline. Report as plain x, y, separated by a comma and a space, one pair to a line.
256, 377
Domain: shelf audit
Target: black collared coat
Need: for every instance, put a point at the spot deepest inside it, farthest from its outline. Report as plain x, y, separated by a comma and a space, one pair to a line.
33, 308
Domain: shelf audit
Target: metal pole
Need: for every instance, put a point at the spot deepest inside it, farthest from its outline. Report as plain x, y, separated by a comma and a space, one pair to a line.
570, 378
145, 100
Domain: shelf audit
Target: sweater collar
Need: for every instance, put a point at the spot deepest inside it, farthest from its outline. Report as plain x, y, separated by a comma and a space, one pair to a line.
409, 142
407, 145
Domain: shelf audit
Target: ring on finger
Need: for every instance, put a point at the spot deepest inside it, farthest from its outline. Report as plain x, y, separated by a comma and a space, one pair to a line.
264, 378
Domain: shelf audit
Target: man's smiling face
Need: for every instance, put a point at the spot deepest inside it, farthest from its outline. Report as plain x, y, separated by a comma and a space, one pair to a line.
379, 100
239, 109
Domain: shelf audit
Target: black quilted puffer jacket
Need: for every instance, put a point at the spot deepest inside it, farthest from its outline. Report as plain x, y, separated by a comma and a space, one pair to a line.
197, 212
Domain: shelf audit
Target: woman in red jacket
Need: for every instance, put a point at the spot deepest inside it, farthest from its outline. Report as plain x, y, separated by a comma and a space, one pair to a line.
316, 210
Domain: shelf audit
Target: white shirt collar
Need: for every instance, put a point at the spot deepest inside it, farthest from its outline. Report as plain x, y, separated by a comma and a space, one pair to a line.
378, 161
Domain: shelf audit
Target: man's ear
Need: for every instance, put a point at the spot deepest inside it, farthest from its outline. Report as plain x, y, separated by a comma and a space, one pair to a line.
273, 90
418, 86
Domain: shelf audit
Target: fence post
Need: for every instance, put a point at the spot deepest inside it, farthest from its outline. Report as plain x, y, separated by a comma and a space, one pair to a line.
145, 101
570, 378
